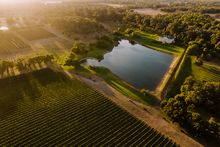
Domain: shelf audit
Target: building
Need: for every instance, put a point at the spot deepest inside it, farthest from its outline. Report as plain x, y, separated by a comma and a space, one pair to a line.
167, 39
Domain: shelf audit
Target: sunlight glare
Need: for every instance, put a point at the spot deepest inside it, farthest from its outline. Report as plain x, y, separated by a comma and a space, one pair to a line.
12, 1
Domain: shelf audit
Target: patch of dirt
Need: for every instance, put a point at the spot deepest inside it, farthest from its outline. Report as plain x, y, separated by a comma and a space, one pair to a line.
149, 11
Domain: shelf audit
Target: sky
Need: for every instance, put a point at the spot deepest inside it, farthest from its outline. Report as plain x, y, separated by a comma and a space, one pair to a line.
21, 1
15, 1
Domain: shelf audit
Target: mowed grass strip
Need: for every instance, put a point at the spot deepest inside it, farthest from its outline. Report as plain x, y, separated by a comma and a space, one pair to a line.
47, 108
32, 34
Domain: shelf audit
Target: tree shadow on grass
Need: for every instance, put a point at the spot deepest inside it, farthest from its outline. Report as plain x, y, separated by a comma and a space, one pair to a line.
13, 90
184, 71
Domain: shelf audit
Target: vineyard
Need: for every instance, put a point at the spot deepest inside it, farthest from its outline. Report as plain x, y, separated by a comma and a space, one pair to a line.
46, 108
206, 72
57, 47
32, 34
9, 43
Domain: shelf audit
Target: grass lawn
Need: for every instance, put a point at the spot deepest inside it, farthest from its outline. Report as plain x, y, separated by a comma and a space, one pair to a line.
151, 41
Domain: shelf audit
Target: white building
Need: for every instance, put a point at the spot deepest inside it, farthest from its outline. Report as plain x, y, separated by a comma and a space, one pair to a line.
166, 39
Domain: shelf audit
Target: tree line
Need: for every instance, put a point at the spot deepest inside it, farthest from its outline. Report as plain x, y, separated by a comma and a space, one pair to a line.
82, 50
188, 107
197, 31
192, 9
82, 19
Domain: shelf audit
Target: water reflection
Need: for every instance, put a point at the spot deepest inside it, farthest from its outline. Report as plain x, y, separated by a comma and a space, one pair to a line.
138, 65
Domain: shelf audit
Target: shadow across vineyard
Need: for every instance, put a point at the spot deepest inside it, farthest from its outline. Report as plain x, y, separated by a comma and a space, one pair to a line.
48, 108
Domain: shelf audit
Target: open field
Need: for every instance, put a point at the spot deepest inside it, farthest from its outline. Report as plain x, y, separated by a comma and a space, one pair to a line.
34, 112
149, 11
9, 43
112, 5
35, 33
18, 44
151, 41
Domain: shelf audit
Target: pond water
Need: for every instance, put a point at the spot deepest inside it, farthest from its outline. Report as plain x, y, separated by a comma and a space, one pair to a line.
138, 65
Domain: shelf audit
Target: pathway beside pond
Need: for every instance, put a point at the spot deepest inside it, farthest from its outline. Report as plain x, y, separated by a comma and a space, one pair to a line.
161, 88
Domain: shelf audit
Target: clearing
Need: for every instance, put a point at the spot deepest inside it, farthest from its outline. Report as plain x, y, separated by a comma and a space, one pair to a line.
149, 11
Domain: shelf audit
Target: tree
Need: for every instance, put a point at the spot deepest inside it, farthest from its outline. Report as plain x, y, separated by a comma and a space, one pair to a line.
79, 48
194, 96
192, 49
145, 92
199, 61
176, 109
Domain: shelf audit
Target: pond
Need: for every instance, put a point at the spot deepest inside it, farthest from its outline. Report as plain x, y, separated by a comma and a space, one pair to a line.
138, 65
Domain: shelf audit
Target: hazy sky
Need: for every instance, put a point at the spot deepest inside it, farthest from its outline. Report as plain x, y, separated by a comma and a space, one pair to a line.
22, 1
16, 1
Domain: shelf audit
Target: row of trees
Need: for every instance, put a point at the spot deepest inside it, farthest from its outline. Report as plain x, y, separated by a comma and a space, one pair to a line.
188, 29
73, 25
184, 107
82, 19
204, 10
81, 50
23, 64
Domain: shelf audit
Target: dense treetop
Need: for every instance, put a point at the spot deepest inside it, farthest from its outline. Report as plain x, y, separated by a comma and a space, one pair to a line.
188, 107
187, 28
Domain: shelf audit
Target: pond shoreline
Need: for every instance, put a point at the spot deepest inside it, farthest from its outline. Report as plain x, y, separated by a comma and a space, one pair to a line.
140, 64
162, 85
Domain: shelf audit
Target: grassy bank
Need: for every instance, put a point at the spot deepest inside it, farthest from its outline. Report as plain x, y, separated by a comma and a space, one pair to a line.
151, 41
118, 84
182, 72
